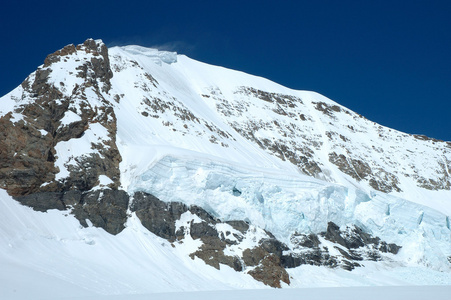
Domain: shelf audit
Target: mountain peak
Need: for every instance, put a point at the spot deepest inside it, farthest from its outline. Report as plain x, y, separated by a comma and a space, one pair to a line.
96, 47
226, 168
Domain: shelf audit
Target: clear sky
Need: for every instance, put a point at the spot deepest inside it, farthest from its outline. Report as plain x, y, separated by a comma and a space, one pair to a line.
387, 60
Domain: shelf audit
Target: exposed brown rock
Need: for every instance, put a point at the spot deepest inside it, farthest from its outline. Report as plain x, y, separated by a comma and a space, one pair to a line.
106, 209
27, 152
252, 257
353, 244
160, 218
212, 253
270, 272
26, 157
56, 56
360, 170
326, 108
239, 225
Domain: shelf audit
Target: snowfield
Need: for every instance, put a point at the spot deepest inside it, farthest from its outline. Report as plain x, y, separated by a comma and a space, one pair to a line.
369, 293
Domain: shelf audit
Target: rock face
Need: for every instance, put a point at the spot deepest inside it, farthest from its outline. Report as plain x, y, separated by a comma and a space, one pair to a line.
157, 216
27, 152
26, 158
106, 209
249, 249
48, 113
289, 130
352, 243
176, 222
270, 272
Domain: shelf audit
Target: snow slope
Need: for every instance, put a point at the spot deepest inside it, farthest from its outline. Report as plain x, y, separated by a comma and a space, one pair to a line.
189, 105
369, 293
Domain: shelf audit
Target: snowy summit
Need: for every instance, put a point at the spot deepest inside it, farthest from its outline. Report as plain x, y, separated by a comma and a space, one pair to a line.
131, 170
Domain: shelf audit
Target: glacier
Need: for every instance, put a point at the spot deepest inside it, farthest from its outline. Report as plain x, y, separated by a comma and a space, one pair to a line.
284, 205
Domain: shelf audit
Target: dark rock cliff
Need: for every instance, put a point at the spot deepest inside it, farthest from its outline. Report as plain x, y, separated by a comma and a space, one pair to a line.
27, 150
106, 208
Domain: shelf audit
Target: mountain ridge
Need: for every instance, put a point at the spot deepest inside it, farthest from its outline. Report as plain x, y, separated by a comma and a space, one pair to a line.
313, 148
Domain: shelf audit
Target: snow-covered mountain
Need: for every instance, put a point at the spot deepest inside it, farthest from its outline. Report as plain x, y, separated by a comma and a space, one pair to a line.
203, 177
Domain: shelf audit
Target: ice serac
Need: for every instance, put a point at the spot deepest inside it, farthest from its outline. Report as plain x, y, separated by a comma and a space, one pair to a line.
233, 171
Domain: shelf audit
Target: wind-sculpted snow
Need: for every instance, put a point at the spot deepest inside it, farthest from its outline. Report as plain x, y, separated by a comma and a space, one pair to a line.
157, 56
284, 205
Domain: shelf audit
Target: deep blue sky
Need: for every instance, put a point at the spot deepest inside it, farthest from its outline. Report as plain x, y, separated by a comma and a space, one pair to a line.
387, 60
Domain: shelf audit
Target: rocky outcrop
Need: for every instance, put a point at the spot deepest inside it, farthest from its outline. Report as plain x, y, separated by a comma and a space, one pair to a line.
165, 220
270, 272
360, 170
157, 216
352, 244
26, 157
30, 135
268, 258
27, 150
354, 238
106, 208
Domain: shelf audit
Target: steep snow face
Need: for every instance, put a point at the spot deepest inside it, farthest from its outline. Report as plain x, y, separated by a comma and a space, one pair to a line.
241, 118
167, 104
